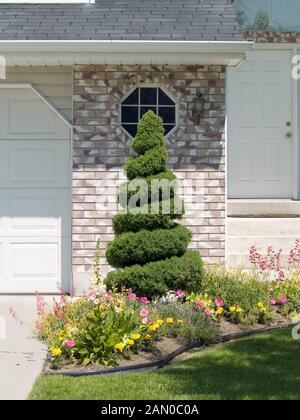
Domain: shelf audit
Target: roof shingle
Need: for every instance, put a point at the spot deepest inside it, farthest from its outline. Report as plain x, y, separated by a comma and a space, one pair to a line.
199, 20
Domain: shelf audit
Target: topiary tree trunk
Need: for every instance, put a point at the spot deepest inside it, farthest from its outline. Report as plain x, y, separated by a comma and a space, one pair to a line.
150, 248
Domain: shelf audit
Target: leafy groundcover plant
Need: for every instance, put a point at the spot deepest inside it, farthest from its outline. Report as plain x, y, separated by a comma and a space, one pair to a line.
103, 327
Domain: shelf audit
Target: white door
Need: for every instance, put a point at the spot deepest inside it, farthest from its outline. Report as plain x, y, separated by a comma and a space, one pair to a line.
259, 107
34, 194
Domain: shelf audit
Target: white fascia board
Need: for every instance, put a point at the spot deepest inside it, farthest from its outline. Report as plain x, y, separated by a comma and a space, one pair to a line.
134, 52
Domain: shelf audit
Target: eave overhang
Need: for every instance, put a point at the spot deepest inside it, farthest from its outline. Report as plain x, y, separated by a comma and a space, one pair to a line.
58, 52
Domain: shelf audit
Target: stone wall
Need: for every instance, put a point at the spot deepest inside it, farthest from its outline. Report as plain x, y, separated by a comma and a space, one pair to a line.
101, 147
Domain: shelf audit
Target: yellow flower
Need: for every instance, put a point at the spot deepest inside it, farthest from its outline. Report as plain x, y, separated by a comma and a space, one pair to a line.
170, 321
263, 310
120, 347
180, 321
219, 311
130, 342
136, 336
239, 310
160, 322
56, 352
260, 305
153, 327
232, 308
148, 337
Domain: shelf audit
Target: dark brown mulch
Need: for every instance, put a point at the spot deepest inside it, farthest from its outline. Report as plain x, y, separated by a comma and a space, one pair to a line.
228, 328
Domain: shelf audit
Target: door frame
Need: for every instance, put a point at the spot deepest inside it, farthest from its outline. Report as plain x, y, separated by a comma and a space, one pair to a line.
295, 104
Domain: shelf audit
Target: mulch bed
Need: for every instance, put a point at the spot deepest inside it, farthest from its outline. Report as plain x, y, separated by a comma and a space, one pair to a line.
164, 351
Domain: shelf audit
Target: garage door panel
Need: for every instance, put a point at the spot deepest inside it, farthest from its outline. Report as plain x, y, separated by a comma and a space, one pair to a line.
24, 115
23, 111
34, 164
34, 264
35, 195
39, 260
35, 212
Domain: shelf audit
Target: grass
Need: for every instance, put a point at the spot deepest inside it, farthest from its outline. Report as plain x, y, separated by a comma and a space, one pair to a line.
262, 367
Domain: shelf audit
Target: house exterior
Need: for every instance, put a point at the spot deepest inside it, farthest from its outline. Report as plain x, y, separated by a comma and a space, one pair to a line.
78, 77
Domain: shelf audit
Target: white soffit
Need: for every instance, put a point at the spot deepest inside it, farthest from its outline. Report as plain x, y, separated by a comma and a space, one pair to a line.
37, 53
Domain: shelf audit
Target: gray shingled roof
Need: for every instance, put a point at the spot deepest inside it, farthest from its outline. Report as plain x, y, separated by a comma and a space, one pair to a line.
206, 20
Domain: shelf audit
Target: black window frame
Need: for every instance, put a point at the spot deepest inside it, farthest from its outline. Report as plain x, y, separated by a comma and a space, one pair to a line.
163, 102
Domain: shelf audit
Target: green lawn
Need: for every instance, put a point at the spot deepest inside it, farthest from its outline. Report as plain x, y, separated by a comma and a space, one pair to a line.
265, 366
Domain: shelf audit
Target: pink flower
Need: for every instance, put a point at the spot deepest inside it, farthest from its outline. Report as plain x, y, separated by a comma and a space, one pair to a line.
219, 302
40, 304
273, 302
132, 296
144, 299
199, 304
145, 321
38, 326
69, 343
180, 293
283, 300
144, 312
15, 316
207, 311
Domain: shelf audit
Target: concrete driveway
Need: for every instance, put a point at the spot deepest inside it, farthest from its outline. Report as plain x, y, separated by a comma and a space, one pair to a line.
21, 355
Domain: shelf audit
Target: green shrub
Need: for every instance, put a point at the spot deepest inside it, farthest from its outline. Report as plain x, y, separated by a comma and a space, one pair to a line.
149, 245
125, 193
134, 222
150, 135
152, 162
144, 246
141, 218
156, 278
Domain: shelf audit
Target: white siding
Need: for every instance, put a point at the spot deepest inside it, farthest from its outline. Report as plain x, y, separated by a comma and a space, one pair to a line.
55, 83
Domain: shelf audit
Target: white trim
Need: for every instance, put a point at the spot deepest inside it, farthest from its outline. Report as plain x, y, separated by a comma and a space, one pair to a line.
295, 127
27, 53
119, 45
37, 93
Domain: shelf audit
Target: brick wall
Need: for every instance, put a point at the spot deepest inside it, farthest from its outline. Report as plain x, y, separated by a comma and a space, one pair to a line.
196, 150
272, 37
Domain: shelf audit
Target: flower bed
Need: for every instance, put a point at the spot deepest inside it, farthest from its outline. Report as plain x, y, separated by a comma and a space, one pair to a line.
110, 328
103, 328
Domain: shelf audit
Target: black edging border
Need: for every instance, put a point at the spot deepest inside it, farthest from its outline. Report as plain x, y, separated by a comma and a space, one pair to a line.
148, 367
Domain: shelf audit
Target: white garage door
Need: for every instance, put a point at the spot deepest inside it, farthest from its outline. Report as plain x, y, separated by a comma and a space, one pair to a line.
34, 194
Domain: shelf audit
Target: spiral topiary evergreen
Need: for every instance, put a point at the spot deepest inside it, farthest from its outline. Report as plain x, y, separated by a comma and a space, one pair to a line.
150, 248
